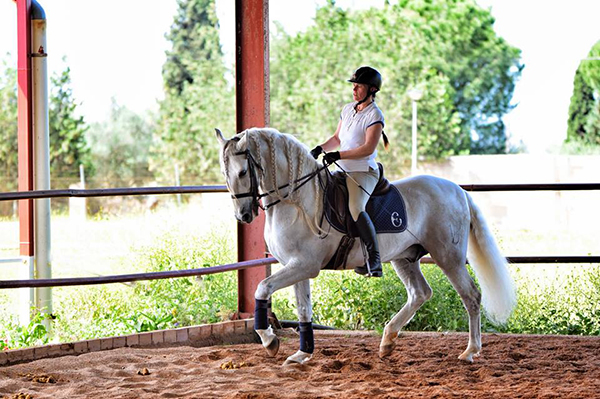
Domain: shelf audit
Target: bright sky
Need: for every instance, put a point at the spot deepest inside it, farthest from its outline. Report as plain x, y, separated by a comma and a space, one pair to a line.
116, 49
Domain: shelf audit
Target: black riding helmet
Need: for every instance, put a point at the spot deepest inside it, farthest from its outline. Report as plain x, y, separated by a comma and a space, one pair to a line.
368, 76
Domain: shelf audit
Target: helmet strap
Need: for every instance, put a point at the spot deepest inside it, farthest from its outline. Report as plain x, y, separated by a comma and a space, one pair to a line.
369, 93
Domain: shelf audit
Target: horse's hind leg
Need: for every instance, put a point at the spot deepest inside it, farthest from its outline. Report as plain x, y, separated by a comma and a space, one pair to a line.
418, 292
471, 297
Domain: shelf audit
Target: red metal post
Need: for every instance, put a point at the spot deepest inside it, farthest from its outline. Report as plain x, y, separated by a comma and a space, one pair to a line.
252, 110
25, 135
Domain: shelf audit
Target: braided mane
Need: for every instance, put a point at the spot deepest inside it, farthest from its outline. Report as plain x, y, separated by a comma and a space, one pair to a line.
284, 149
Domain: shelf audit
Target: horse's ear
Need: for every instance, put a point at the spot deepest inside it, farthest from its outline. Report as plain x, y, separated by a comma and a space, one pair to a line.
241, 145
220, 137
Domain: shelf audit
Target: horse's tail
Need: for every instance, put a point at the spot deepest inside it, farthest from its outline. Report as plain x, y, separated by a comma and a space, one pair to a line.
491, 268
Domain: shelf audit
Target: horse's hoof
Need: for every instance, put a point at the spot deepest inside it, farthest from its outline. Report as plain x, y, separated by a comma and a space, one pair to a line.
298, 358
467, 357
273, 347
386, 350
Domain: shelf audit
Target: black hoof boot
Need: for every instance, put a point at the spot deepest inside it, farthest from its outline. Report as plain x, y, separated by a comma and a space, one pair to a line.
367, 233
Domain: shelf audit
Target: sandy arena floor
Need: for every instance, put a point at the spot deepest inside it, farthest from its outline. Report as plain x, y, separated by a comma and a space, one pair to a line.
345, 365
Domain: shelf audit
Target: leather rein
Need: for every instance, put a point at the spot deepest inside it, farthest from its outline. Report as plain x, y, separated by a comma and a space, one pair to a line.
254, 191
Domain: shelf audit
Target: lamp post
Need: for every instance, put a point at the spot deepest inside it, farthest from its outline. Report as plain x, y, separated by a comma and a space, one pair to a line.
415, 95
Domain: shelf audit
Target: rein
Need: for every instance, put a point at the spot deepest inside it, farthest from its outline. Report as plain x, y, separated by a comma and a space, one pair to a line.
254, 193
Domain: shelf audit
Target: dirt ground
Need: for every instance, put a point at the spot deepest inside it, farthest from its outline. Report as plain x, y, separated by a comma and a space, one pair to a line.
344, 365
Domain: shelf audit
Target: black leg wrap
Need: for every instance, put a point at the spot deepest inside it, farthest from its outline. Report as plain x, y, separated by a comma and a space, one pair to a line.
261, 321
307, 339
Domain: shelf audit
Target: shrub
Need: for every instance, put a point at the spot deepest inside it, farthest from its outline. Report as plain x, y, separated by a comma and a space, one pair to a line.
109, 310
567, 304
347, 300
17, 336
190, 300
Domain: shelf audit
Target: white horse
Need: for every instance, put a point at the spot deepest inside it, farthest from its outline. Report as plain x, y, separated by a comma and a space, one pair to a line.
442, 221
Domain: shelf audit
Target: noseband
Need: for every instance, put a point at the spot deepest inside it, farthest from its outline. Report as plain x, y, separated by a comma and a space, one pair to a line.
253, 193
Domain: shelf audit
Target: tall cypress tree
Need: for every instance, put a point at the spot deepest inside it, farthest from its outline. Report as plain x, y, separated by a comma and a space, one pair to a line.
584, 110
198, 97
580, 109
68, 145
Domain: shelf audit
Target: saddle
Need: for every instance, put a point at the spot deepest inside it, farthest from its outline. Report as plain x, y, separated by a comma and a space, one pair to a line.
385, 207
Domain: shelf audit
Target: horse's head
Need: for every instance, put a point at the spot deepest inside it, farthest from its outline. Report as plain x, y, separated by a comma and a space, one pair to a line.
240, 170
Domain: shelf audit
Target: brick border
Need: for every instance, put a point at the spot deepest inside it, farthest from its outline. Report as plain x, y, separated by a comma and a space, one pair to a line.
235, 331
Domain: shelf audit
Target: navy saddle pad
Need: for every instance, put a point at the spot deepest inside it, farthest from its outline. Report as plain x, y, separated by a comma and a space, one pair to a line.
387, 211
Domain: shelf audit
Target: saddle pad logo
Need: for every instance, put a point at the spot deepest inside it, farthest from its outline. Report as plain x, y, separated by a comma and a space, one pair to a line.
396, 219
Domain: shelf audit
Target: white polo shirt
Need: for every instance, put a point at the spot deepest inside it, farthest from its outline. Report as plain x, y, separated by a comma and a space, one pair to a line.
353, 134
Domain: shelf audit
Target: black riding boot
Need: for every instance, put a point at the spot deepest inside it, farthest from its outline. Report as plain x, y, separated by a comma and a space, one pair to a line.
367, 233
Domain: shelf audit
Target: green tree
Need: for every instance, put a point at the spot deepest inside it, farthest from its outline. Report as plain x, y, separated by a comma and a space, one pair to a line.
8, 128
448, 49
582, 105
198, 97
120, 147
591, 67
68, 146
584, 110
481, 67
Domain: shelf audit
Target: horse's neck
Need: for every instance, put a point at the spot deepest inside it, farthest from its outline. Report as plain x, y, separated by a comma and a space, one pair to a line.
284, 164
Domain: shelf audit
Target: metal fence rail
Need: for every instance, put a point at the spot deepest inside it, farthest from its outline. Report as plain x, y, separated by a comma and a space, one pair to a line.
111, 192
540, 259
532, 187
61, 282
125, 278
114, 192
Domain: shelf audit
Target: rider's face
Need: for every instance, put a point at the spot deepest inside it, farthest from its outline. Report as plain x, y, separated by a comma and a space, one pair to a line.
359, 91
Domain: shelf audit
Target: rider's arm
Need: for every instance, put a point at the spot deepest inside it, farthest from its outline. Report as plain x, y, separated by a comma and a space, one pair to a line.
372, 137
334, 141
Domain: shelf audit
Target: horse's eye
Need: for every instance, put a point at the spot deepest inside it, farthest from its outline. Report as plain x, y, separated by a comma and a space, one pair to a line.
242, 173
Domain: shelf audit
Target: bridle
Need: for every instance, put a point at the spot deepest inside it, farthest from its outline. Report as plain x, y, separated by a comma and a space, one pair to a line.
254, 192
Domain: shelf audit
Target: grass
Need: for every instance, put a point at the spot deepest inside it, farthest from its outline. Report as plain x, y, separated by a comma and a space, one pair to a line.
554, 299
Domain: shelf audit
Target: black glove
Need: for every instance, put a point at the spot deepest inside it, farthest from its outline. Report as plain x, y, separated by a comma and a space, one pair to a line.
315, 152
331, 157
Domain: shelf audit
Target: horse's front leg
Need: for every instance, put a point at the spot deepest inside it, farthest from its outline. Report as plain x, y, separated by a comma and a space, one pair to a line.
304, 309
292, 273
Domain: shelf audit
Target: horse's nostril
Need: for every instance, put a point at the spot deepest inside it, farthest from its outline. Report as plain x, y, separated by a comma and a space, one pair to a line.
246, 218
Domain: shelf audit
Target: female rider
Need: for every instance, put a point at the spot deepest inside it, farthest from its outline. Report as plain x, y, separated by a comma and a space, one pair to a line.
357, 134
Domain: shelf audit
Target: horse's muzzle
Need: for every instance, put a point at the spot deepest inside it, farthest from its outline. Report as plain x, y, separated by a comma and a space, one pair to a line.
246, 217
245, 214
